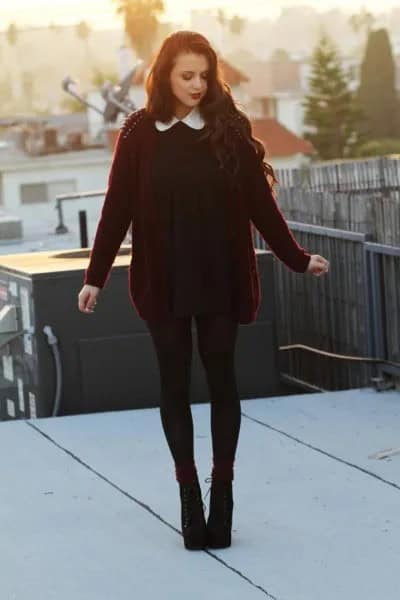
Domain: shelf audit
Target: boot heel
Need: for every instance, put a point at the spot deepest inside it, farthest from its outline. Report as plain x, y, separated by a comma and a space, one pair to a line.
193, 522
219, 522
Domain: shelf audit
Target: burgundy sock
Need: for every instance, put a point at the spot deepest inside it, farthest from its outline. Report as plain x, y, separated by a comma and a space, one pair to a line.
222, 469
186, 472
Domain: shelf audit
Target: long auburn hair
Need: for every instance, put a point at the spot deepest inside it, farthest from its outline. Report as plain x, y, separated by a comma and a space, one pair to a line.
218, 108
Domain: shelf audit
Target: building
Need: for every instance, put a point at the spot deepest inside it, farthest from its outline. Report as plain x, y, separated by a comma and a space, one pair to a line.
29, 186
284, 149
275, 89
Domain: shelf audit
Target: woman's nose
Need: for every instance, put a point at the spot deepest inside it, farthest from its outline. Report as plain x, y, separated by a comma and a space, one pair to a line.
198, 84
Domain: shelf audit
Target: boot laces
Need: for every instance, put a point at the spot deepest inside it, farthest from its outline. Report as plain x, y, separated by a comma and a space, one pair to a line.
208, 480
226, 509
188, 491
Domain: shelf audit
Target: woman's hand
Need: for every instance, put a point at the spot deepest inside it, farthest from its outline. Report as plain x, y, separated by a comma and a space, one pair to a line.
318, 265
87, 298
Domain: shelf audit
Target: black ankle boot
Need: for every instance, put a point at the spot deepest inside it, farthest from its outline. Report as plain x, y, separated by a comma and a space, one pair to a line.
192, 516
219, 522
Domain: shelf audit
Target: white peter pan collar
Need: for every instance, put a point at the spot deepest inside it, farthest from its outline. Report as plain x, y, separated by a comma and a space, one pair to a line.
193, 119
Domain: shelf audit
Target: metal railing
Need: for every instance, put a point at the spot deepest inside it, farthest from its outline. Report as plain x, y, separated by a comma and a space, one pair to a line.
60, 198
383, 271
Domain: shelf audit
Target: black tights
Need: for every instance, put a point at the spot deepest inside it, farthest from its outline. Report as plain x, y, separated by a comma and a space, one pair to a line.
217, 336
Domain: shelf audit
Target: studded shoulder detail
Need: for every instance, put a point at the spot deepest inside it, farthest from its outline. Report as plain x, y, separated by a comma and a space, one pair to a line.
131, 122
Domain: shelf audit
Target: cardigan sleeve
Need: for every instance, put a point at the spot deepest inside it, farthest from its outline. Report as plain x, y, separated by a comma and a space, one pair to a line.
115, 218
265, 214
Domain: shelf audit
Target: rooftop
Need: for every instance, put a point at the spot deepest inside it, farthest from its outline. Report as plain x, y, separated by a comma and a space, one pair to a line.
91, 504
278, 139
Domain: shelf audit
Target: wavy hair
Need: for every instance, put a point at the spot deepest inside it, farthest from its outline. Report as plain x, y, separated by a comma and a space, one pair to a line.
217, 107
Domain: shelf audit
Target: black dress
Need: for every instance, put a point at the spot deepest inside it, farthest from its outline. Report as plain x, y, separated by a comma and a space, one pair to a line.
192, 198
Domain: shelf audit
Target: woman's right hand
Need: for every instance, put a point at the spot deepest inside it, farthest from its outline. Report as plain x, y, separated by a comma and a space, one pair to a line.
87, 298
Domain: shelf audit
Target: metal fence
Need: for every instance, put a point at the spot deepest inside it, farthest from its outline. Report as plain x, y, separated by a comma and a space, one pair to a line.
353, 310
383, 271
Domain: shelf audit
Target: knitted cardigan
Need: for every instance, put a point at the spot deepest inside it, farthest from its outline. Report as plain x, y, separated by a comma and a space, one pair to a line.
129, 199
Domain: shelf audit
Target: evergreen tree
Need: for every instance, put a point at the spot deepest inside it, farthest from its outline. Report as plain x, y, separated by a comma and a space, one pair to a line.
377, 92
331, 113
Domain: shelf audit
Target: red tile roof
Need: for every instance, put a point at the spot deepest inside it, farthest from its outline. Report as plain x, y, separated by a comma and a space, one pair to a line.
231, 74
278, 140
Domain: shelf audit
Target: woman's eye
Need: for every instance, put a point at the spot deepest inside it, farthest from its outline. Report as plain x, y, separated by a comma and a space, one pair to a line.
188, 77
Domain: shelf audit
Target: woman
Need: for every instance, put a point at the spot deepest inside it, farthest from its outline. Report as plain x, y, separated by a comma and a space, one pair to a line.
190, 176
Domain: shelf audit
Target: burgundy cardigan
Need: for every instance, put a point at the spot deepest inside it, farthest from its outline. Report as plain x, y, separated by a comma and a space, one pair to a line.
129, 200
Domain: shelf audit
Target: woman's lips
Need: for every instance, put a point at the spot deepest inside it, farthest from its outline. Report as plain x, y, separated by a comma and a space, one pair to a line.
196, 96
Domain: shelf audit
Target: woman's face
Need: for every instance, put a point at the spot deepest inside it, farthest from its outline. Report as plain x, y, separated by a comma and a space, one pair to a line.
188, 79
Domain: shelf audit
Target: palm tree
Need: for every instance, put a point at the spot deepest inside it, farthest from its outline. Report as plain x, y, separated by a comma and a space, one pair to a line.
83, 31
15, 71
221, 17
12, 34
223, 21
141, 23
236, 24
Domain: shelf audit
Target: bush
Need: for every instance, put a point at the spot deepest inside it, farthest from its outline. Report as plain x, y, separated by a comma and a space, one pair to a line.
379, 147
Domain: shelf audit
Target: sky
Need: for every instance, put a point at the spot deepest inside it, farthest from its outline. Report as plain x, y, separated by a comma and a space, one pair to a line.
101, 13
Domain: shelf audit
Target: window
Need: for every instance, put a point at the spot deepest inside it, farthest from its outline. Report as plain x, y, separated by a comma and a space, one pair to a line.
268, 106
32, 193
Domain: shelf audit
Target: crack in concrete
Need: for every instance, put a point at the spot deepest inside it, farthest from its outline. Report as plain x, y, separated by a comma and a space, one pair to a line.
342, 460
146, 507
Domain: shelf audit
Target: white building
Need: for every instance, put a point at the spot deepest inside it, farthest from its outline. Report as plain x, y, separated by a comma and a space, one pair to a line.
29, 187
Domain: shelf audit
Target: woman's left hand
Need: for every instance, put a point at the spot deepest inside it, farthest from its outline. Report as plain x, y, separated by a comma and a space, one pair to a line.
318, 265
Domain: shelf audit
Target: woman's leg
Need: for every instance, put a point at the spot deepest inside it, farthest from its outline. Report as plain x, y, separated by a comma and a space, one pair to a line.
217, 335
173, 344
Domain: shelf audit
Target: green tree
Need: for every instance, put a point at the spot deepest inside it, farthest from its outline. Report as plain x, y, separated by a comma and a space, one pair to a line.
221, 17
83, 31
380, 147
362, 21
377, 91
14, 65
280, 55
236, 24
331, 112
12, 34
141, 23
100, 77
28, 88
72, 105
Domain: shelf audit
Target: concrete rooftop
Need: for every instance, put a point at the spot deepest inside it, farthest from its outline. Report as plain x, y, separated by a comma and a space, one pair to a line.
89, 505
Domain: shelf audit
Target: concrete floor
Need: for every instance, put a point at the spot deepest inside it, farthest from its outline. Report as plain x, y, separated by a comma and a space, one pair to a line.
89, 505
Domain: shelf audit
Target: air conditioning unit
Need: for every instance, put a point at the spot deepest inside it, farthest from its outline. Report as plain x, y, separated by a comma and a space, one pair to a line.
56, 360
